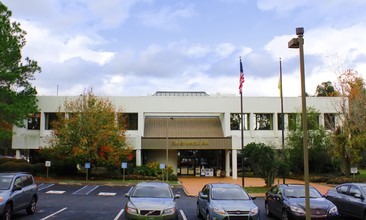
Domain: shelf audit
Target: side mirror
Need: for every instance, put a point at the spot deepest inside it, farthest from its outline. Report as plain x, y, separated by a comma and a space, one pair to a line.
127, 195
357, 195
203, 196
253, 197
176, 196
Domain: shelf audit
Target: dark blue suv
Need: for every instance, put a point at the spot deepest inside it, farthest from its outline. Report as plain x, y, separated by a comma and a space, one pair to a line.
18, 191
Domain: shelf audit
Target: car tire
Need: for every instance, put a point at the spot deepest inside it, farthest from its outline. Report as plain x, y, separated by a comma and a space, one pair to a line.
198, 213
284, 215
268, 212
7, 212
31, 209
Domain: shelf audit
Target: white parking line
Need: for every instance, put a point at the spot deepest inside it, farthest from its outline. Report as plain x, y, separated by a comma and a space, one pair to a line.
43, 186
87, 190
107, 194
47, 217
55, 192
183, 215
119, 214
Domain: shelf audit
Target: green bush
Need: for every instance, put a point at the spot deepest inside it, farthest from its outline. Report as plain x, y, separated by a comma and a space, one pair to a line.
13, 166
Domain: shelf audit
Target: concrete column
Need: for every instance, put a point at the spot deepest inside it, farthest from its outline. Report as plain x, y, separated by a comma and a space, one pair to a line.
234, 165
17, 154
138, 158
227, 162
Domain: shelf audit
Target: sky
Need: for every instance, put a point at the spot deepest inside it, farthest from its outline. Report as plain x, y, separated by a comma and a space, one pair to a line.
138, 47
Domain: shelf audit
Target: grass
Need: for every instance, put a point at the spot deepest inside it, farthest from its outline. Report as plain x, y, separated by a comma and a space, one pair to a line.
362, 173
256, 189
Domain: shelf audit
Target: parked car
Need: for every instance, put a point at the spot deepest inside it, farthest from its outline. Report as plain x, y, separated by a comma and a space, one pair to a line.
350, 199
17, 191
287, 201
151, 200
221, 201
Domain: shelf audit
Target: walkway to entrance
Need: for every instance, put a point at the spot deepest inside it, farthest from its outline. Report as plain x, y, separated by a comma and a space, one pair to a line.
192, 185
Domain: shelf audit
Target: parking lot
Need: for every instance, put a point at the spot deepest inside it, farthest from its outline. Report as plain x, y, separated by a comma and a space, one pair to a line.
58, 201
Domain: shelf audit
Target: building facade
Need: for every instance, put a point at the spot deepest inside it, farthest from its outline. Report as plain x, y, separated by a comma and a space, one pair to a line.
190, 130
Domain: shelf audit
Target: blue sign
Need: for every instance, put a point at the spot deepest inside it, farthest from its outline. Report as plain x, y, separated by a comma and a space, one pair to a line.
162, 166
124, 165
87, 165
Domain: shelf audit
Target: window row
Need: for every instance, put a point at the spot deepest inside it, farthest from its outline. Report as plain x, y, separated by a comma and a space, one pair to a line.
265, 121
34, 121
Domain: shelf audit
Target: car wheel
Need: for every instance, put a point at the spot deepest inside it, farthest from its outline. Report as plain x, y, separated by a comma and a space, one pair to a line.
364, 216
31, 209
284, 215
198, 213
7, 212
268, 212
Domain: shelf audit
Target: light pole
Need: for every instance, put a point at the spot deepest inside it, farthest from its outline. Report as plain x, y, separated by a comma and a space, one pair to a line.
299, 43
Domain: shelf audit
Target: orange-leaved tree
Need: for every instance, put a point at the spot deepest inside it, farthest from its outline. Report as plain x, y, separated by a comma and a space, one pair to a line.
87, 129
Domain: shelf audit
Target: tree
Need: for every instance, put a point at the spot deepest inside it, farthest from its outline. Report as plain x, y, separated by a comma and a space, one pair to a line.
86, 130
263, 160
17, 95
319, 145
350, 137
326, 89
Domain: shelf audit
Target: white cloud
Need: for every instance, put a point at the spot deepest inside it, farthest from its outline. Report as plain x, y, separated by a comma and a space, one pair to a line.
46, 47
167, 17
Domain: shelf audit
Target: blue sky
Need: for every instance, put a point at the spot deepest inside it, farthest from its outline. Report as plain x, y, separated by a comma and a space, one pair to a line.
138, 47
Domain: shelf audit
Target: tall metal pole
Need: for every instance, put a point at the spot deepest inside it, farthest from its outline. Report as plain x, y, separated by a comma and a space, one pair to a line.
242, 140
282, 121
304, 125
299, 43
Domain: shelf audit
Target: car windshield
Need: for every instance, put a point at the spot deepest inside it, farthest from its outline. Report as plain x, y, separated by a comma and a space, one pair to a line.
5, 183
152, 192
363, 189
300, 193
226, 193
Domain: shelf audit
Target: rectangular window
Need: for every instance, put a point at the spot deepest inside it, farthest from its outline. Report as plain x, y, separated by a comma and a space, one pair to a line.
263, 121
329, 121
34, 122
293, 121
279, 122
235, 121
50, 117
130, 120
313, 121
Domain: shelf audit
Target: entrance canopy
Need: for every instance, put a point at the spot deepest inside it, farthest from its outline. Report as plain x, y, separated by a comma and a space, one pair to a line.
184, 133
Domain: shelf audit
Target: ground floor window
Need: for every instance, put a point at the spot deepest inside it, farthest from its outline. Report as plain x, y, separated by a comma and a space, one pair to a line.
192, 162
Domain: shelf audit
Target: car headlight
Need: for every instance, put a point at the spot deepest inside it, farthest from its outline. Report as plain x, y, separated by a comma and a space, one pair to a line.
254, 211
333, 210
297, 210
218, 210
131, 210
170, 211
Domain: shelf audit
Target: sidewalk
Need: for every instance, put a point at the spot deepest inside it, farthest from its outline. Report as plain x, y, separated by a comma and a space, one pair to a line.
192, 185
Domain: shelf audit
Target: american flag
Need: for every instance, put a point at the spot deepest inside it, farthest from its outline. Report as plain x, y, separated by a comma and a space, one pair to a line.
241, 80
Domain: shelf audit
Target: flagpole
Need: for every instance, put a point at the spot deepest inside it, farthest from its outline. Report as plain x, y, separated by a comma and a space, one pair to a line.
241, 81
282, 120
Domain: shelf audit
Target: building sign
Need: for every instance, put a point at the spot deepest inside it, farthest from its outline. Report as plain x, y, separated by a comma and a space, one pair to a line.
190, 143
186, 143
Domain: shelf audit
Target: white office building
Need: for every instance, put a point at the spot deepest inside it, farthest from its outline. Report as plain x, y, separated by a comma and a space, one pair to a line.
190, 130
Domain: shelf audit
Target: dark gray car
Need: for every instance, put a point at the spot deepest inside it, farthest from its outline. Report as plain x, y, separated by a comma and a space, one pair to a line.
17, 191
350, 199
222, 201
